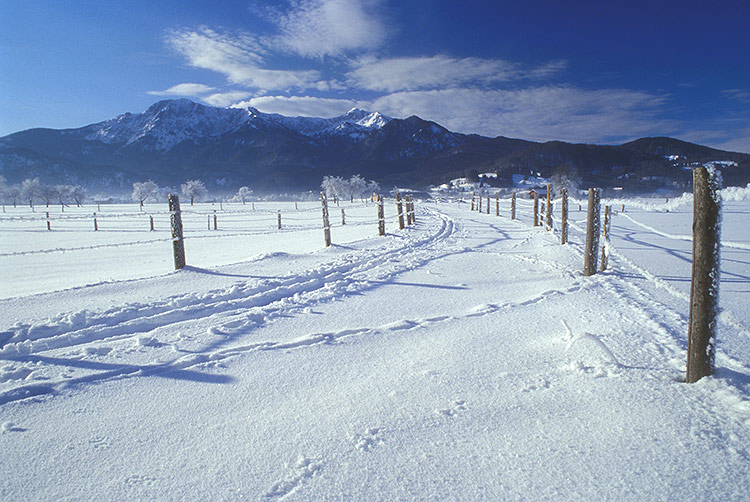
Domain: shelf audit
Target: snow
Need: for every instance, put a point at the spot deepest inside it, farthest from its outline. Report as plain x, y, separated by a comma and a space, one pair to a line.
170, 122
463, 358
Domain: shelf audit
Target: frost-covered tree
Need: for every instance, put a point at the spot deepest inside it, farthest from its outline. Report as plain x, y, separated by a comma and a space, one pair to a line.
29, 190
13, 192
373, 187
357, 186
194, 189
48, 193
243, 194
143, 191
333, 186
78, 194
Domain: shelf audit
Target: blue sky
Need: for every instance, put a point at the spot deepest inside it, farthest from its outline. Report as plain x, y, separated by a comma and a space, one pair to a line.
595, 72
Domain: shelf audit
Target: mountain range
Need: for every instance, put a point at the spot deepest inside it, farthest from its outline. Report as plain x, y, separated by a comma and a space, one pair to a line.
176, 140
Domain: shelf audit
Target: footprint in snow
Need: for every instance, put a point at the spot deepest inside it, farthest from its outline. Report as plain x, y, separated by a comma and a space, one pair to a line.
369, 440
457, 407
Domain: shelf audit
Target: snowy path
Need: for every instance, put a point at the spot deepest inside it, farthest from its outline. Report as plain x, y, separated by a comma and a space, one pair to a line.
464, 359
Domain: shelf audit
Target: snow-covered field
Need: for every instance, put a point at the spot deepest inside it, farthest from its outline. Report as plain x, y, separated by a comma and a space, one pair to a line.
463, 358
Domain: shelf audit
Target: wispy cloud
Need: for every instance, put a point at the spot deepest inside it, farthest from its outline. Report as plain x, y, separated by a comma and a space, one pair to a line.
306, 106
186, 89
738, 94
239, 57
537, 113
413, 73
318, 28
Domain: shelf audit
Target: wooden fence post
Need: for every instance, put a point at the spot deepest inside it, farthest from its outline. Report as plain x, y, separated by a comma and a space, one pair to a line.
216, 226
401, 211
592, 233
208, 221
704, 285
326, 222
473, 196
536, 209
343, 217
151, 218
381, 216
497, 204
178, 244
96, 224
549, 207
488, 203
49, 226
605, 250
564, 217
409, 210
278, 213
479, 202
413, 214
513, 206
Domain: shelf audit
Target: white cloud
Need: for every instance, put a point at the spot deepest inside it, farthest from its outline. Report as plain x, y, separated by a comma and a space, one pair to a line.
225, 98
186, 89
539, 113
305, 106
317, 28
238, 57
413, 73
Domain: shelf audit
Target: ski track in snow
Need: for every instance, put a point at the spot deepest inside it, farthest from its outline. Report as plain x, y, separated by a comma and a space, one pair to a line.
246, 306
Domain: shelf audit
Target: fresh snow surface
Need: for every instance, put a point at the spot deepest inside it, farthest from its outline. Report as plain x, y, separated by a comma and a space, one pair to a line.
463, 358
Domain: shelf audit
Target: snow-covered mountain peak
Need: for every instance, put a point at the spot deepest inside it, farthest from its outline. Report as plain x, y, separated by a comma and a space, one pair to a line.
167, 123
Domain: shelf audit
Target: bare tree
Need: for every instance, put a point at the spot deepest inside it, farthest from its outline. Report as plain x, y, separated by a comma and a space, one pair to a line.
143, 190
194, 189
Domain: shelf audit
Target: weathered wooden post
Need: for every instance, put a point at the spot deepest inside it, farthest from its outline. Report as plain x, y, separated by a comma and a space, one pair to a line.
326, 223
381, 216
549, 207
497, 204
623, 208
151, 218
400, 209
343, 217
564, 217
296, 207
96, 224
536, 209
473, 196
488, 203
278, 214
605, 250
208, 221
479, 203
704, 285
513, 206
592, 233
216, 223
413, 213
49, 226
178, 244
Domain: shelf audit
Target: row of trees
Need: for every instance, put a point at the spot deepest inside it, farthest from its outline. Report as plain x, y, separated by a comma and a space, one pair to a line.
195, 190
31, 190
337, 188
